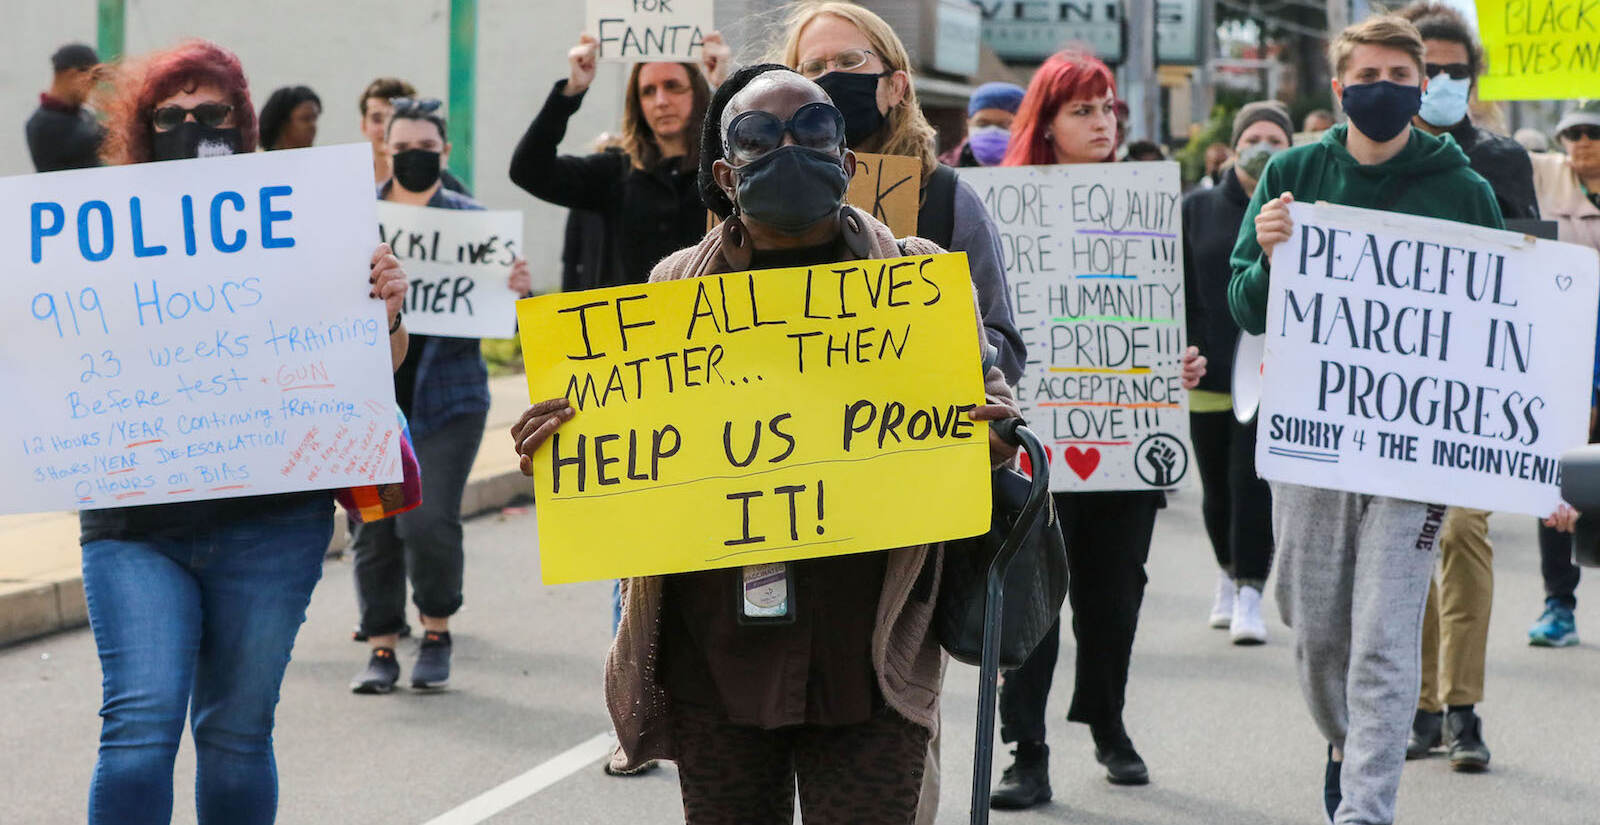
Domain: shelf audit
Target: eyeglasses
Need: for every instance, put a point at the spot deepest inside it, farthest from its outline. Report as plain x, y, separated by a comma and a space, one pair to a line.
209, 115
755, 133
846, 61
413, 106
1456, 71
1582, 130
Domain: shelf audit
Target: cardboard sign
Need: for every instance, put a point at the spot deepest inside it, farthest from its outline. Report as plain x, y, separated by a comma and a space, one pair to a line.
1094, 257
458, 261
635, 31
191, 330
887, 187
762, 417
1539, 49
1426, 359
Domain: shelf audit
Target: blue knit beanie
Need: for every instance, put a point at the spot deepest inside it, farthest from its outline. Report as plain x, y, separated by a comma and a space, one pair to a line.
1007, 96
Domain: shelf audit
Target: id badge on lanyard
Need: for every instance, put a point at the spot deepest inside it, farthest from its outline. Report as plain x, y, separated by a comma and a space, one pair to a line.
766, 594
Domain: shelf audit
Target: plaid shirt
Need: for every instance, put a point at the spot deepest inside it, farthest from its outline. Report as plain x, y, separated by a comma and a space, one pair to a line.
451, 378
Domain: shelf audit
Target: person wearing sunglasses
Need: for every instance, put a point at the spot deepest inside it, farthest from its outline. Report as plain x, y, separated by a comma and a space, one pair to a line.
841, 701
195, 606
1455, 627
856, 58
1568, 186
442, 386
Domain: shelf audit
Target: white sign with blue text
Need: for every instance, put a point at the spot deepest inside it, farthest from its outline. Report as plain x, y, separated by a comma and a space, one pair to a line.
193, 329
1425, 359
459, 263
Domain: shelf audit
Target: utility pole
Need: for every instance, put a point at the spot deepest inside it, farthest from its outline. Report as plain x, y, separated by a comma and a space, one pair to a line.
1141, 86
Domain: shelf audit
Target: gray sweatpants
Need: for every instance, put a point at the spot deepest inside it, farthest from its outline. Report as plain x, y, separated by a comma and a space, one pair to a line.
1352, 582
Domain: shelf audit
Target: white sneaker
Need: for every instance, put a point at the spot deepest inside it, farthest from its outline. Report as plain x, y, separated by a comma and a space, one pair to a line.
1247, 627
1222, 603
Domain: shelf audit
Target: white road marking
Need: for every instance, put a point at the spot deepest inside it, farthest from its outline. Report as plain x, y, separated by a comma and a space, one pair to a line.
510, 792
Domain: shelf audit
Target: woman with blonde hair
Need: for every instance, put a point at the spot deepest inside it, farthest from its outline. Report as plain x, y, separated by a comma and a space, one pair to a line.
860, 62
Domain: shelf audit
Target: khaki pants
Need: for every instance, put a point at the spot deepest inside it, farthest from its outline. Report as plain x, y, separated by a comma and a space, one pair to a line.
1455, 628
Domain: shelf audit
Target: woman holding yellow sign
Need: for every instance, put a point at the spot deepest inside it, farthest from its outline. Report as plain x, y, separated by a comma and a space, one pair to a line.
834, 684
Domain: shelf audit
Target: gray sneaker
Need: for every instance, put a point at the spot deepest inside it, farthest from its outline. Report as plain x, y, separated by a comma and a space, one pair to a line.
432, 670
381, 673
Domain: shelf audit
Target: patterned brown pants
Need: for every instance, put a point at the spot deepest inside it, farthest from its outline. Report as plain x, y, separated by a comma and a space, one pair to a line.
865, 774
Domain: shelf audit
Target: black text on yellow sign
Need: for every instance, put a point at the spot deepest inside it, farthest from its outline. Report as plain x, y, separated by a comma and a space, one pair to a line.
758, 417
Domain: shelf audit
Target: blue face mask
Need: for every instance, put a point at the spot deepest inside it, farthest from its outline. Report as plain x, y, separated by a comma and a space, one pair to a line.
1444, 104
988, 144
1381, 110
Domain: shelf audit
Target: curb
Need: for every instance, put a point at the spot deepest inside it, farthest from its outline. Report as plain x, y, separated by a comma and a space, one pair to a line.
41, 607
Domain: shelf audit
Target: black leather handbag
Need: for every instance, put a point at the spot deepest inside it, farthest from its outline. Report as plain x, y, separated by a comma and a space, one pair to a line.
1021, 563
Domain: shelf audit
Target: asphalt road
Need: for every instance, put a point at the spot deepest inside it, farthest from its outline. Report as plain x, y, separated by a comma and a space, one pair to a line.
1223, 729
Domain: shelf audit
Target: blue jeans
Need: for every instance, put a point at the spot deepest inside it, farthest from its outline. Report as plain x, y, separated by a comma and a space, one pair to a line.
202, 619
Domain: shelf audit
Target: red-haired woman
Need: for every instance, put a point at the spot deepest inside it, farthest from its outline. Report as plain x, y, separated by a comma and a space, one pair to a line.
195, 606
1069, 115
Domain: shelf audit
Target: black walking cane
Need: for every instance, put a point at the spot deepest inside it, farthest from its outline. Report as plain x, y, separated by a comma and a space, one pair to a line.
1012, 431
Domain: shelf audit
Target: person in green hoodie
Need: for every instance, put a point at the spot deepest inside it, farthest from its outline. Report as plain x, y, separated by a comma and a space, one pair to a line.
1354, 569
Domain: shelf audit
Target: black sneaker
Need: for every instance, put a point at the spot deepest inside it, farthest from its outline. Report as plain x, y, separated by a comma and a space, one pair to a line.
432, 670
381, 673
1332, 795
1113, 749
1427, 733
1468, 753
1026, 782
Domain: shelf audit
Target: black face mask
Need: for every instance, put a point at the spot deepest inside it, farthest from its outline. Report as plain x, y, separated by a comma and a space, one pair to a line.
791, 188
856, 97
1381, 110
193, 140
416, 170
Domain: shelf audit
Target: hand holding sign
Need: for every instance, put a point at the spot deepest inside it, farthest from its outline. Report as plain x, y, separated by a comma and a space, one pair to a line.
521, 280
581, 65
388, 280
1273, 224
716, 60
535, 427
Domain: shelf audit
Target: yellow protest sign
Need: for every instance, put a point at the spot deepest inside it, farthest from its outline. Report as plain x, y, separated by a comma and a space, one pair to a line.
758, 417
1539, 49
887, 187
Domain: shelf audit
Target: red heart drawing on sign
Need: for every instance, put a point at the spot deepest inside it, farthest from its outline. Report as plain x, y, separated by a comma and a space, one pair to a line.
1026, 463
1082, 462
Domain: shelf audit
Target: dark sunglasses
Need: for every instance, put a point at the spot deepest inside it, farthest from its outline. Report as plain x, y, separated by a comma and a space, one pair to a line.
416, 105
755, 133
209, 115
1581, 131
1456, 71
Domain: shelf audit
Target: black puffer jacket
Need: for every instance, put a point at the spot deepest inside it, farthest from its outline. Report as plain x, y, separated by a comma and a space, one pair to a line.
648, 214
1211, 219
1504, 164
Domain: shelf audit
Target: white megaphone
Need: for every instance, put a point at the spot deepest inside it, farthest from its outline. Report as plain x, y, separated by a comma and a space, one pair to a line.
1248, 356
